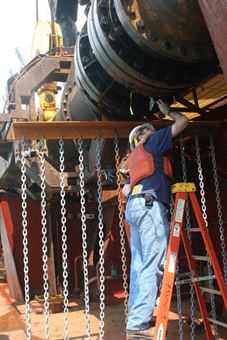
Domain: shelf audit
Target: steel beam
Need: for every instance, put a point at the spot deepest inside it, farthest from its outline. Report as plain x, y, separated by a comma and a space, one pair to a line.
215, 14
71, 130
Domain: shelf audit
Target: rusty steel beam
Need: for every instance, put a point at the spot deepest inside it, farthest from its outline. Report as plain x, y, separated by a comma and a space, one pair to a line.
192, 107
90, 130
215, 14
219, 100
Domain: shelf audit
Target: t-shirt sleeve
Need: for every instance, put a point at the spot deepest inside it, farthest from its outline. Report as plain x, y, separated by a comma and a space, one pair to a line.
161, 141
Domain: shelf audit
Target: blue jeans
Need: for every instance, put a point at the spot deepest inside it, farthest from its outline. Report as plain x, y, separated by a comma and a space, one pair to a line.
149, 228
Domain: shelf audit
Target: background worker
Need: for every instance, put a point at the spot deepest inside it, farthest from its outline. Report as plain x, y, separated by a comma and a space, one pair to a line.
147, 211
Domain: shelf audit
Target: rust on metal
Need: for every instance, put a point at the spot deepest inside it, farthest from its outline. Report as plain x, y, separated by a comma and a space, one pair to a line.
215, 13
165, 27
103, 129
14, 114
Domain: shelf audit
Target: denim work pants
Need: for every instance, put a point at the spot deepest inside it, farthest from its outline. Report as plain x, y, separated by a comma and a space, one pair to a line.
149, 227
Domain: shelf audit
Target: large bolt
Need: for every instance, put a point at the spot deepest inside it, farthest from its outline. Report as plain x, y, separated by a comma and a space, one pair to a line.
112, 36
104, 21
140, 24
119, 30
151, 36
168, 45
85, 59
131, 12
183, 50
49, 98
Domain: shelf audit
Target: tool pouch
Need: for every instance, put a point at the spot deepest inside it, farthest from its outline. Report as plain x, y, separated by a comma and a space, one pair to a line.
148, 199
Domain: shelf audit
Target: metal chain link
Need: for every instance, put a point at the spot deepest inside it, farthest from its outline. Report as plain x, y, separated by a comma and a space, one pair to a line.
25, 240
44, 239
185, 179
203, 203
219, 207
84, 236
101, 242
122, 226
188, 225
179, 304
64, 239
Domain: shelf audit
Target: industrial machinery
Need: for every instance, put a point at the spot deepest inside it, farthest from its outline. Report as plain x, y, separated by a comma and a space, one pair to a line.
128, 54
108, 77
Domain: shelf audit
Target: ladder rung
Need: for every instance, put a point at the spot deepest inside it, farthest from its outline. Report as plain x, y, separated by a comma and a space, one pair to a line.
194, 230
201, 258
209, 290
195, 279
217, 322
184, 274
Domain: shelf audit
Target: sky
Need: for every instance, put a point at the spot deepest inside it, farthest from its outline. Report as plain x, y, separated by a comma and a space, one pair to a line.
17, 23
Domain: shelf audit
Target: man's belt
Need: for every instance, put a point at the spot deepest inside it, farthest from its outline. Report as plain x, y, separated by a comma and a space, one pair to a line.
147, 196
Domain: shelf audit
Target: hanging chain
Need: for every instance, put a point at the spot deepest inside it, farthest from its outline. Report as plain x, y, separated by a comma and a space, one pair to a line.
184, 173
179, 304
219, 208
122, 226
25, 240
188, 224
203, 203
101, 242
44, 239
84, 236
64, 239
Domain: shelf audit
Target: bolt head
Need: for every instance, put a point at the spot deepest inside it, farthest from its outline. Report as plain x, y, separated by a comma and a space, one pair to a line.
140, 24
168, 45
183, 50
151, 36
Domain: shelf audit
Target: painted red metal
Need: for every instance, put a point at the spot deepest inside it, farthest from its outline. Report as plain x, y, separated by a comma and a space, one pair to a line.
11, 211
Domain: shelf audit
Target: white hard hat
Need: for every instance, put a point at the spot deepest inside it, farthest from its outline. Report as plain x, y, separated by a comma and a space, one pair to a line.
132, 133
135, 130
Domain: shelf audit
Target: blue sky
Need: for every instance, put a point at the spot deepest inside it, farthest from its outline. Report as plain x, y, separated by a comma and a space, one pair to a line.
17, 23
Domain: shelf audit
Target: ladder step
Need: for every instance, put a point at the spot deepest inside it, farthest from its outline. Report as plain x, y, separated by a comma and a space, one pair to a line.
194, 230
209, 290
184, 274
201, 258
220, 323
194, 279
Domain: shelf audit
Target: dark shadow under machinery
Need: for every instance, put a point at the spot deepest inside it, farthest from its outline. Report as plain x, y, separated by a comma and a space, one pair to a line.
127, 52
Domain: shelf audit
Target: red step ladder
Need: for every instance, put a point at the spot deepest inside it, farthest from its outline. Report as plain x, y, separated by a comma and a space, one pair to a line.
182, 191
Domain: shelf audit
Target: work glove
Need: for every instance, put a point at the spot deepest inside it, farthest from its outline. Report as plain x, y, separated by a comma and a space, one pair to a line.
163, 107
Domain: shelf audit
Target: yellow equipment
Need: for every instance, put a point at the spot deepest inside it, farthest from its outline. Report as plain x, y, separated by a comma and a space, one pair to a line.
43, 41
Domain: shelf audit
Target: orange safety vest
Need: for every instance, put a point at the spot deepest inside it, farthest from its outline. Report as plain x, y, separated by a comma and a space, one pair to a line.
141, 164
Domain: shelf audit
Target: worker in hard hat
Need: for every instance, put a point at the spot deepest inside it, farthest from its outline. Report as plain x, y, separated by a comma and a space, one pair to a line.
147, 211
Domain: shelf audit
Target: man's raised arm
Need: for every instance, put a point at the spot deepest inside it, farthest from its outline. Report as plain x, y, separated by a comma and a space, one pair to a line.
180, 121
